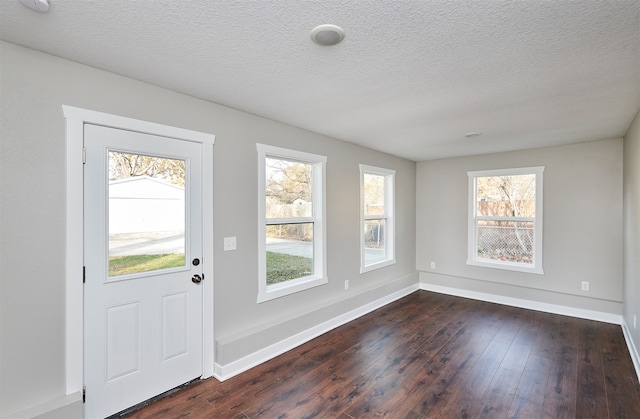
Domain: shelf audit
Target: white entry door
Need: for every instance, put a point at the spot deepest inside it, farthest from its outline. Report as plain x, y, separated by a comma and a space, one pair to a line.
143, 307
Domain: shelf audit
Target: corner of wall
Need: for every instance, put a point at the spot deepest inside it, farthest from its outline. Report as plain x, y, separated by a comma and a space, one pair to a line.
631, 221
633, 350
532, 299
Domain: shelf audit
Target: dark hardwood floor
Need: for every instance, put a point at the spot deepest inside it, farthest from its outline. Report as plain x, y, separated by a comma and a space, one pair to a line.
430, 355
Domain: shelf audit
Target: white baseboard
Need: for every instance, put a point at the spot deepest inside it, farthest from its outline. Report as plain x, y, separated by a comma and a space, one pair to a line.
633, 351
47, 410
528, 304
224, 372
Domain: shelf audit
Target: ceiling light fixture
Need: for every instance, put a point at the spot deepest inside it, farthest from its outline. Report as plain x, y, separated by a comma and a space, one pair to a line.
327, 35
37, 5
473, 134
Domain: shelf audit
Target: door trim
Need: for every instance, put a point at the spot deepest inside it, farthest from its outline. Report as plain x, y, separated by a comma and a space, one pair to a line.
74, 335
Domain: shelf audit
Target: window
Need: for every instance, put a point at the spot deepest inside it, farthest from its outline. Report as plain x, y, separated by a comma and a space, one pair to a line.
505, 219
377, 235
291, 209
147, 207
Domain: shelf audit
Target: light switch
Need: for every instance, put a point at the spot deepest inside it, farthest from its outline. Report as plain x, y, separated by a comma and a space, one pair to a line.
229, 243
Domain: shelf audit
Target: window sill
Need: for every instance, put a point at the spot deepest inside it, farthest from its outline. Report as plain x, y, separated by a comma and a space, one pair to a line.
508, 266
290, 287
373, 267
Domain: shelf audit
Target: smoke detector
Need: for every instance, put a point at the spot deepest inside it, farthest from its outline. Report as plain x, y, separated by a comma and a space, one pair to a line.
37, 5
327, 35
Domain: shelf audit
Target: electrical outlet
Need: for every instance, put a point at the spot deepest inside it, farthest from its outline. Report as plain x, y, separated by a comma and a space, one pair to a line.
229, 243
433, 265
585, 285
346, 284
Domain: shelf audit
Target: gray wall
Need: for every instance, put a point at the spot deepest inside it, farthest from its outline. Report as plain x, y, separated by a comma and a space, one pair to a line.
32, 186
582, 226
632, 229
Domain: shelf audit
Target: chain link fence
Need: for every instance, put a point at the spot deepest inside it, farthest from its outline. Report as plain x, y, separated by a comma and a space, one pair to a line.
508, 241
374, 233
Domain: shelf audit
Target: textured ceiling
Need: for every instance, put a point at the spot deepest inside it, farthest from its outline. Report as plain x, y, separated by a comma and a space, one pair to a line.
410, 78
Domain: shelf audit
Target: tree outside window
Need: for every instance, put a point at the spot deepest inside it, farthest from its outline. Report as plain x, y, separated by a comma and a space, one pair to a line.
506, 219
291, 213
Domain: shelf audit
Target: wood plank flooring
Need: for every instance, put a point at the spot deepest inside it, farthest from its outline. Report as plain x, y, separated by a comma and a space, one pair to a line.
430, 355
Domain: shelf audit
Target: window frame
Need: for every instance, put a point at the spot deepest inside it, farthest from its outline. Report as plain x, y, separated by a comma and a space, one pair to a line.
388, 216
472, 257
319, 276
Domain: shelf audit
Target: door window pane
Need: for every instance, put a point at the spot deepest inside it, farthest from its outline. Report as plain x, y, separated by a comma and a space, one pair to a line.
146, 213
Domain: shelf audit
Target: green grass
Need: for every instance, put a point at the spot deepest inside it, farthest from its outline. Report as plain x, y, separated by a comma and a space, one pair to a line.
282, 267
122, 265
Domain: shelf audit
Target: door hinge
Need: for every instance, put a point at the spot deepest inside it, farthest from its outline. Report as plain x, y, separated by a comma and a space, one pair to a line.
84, 274
84, 394
84, 155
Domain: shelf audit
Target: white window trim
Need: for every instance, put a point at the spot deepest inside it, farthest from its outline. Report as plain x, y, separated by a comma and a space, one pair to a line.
389, 205
472, 259
319, 277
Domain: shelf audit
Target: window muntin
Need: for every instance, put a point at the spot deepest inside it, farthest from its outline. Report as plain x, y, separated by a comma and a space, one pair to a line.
505, 219
377, 234
291, 220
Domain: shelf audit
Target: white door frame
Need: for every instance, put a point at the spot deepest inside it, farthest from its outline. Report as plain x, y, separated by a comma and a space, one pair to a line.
75, 120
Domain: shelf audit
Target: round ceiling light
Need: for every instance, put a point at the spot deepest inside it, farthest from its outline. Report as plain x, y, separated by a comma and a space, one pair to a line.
37, 5
327, 35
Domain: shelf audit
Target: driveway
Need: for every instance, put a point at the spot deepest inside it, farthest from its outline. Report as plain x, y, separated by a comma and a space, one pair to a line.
146, 243
290, 247
164, 243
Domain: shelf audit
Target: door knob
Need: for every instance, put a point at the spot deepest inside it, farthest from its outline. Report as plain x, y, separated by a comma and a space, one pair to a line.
196, 279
